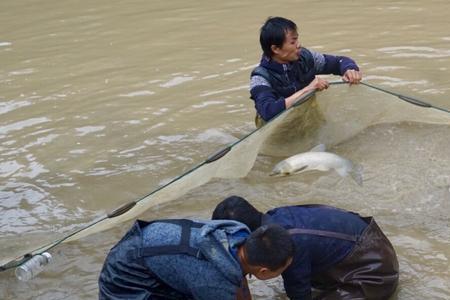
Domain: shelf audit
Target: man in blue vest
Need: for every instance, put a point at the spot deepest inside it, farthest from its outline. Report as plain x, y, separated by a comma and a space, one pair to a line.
184, 259
287, 71
337, 252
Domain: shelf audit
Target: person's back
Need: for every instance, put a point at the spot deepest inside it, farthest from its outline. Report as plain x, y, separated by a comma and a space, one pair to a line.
344, 255
159, 259
219, 272
321, 251
185, 259
320, 247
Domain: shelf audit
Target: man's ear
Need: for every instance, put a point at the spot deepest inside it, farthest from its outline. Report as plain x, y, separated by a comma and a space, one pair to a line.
263, 273
275, 49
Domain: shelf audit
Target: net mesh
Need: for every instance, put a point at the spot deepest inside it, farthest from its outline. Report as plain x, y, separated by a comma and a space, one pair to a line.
329, 117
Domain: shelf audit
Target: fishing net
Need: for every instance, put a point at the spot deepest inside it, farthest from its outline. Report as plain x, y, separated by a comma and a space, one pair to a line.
329, 117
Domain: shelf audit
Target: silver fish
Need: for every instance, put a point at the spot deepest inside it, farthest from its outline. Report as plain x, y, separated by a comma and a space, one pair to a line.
318, 159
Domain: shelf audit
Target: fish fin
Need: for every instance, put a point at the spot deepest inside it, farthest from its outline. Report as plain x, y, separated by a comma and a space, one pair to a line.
299, 169
357, 174
274, 173
319, 148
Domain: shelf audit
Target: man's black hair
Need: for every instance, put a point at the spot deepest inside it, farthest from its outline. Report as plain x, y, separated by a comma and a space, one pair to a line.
269, 246
238, 209
273, 32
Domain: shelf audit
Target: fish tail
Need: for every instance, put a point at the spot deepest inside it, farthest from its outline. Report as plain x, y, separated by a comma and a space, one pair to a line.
357, 174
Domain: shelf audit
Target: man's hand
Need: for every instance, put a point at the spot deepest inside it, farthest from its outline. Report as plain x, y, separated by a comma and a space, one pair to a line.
319, 84
352, 76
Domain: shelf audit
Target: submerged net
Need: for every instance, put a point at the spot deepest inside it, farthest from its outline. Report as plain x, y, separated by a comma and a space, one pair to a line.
329, 117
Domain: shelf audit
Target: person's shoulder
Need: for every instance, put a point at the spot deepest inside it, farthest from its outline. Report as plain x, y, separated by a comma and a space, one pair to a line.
169, 230
221, 229
283, 209
307, 57
282, 215
306, 53
260, 71
259, 77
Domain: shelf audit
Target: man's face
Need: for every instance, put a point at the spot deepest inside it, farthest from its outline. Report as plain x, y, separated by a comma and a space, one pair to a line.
289, 51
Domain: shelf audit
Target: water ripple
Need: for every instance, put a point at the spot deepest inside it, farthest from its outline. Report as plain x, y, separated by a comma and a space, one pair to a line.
137, 94
21, 125
419, 52
12, 105
88, 129
176, 81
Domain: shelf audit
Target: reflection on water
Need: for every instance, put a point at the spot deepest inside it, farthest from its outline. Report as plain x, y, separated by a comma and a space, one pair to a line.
102, 102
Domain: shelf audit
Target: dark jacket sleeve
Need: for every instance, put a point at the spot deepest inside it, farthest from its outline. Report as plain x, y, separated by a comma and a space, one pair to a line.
267, 103
338, 65
297, 278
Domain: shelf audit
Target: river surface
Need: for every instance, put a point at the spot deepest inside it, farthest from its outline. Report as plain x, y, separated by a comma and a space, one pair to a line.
103, 101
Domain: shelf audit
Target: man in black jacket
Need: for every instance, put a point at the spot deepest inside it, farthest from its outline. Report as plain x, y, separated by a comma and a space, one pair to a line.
338, 252
287, 71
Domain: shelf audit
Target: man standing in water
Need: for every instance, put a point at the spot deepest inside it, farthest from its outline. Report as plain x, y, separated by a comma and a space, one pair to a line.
287, 71
343, 255
184, 259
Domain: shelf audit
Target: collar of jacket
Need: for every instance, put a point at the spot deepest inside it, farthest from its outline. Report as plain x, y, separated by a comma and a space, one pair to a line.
215, 244
272, 65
